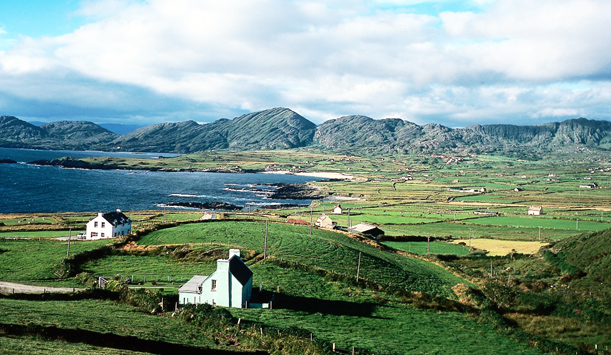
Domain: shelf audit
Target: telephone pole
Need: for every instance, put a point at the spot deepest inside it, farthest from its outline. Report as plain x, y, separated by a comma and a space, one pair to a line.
265, 244
358, 268
69, 237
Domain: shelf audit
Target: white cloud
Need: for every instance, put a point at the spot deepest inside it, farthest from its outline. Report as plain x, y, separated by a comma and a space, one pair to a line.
556, 112
331, 57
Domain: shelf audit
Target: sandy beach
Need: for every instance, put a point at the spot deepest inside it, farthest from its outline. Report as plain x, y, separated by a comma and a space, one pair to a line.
324, 175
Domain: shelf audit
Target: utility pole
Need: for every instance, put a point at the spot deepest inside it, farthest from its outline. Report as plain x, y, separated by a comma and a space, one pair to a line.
69, 237
265, 244
358, 268
348, 220
577, 224
539, 233
310, 221
428, 243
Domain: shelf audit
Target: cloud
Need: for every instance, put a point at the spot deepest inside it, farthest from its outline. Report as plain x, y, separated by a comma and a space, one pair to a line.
322, 58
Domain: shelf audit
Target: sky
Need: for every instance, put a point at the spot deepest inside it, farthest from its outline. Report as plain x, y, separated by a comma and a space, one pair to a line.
456, 63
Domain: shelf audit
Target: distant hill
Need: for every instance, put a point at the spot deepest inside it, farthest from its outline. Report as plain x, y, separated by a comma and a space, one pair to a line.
278, 128
56, 135
119, 128
358, 133
282, 128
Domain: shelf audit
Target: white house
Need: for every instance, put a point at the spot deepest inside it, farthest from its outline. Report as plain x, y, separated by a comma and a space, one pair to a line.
229, 286
108, 225
337, 209
535, 211
325, 222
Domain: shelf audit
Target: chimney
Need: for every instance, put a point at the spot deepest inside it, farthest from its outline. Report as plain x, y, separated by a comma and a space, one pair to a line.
100, 214
233, 252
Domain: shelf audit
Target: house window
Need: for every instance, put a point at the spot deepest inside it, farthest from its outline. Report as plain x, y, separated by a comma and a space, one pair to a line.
95, 224
103, 224
102, 235
213, 288
94, 234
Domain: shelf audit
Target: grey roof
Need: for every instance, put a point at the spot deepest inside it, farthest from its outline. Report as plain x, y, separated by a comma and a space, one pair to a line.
368, 229
119, 217
239, 270
192, 286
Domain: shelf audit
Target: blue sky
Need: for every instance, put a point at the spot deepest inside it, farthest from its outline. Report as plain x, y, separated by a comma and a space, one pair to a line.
456, 63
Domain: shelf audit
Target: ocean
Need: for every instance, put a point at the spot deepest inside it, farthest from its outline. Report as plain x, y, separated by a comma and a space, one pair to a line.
26, 188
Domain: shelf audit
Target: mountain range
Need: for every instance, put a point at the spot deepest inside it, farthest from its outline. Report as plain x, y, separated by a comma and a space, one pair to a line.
282, 128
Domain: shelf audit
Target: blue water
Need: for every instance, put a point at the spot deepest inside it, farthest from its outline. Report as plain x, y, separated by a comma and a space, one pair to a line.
28, 188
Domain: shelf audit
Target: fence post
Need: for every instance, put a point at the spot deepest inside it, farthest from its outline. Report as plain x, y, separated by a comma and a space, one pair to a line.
333, 347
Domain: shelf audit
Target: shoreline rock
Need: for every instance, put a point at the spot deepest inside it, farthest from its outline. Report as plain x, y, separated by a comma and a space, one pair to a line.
206, 206
295, 192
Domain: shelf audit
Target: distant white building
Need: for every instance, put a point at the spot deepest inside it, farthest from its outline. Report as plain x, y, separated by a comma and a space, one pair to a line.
535, 210
108, 225
337, 209
325, 222
229, 286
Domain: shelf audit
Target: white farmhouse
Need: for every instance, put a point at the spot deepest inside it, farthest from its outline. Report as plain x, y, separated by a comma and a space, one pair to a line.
108, 225
337, 209
535, 211
229, 286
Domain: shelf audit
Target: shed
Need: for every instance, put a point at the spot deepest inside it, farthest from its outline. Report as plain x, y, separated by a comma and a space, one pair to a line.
325, 221
337, 209
367, 229
535, 210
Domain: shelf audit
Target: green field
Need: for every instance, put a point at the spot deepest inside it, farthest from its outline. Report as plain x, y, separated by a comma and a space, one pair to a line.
434, 247
523, 221
34, 262
324, 249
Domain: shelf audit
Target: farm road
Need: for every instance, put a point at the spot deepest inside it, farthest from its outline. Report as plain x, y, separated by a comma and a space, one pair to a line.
8, 287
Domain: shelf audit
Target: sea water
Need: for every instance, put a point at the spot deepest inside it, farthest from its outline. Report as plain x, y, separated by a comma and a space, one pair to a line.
27, 188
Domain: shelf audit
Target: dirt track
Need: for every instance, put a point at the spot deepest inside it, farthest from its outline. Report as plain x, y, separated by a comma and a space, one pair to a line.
9, 287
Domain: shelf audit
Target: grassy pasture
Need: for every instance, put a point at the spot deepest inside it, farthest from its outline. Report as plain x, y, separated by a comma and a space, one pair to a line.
32, 261
525, 221
102, 317
369, 320
434, 248
325, 249
39, 234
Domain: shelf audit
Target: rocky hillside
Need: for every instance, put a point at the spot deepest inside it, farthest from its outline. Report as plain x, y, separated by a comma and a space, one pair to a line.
57, 135
359, 133
282, 128
277, 128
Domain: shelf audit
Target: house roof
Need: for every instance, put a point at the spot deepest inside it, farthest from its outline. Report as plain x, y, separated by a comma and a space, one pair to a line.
192, 286
366, 228
534, 208
118, 217
239, 270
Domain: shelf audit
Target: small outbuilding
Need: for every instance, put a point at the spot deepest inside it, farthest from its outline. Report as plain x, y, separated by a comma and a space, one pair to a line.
108, 225
325, 221
337, 209
535, 210
229, 286
367, 229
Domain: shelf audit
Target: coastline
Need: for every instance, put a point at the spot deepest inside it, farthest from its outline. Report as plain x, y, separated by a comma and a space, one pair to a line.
324, 175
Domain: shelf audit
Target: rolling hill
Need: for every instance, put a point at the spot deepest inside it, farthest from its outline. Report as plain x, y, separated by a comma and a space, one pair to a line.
282, 128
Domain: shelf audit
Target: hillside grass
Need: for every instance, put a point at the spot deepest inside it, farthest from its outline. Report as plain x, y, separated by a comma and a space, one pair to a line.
35, 262
324, 249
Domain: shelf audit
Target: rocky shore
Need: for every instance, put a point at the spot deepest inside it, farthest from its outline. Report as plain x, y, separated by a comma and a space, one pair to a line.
295, 192
223, 206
